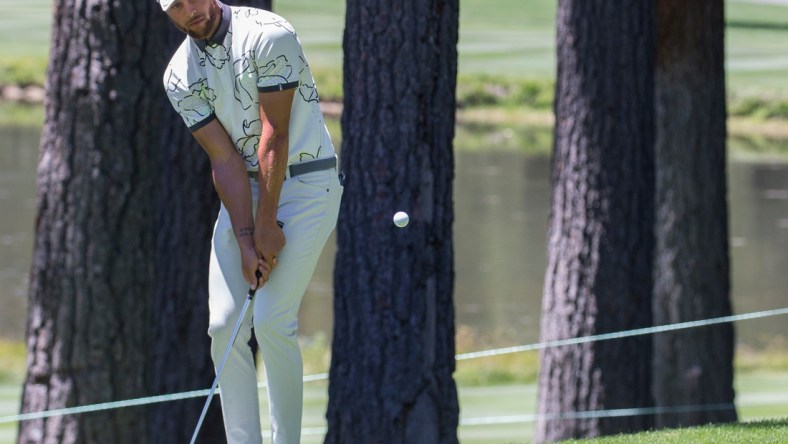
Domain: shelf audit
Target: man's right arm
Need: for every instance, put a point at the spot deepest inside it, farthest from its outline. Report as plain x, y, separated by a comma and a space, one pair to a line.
232, 185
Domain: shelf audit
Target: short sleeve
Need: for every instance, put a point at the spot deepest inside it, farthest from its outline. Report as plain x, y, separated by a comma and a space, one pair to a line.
279, 59
190, 98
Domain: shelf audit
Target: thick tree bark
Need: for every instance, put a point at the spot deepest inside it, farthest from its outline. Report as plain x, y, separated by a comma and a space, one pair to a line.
393, 349
185, 212
692, 367
600, 240
118, 295
91, 284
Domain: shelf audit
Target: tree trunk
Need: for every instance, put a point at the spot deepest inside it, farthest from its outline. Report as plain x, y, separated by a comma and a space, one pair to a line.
186, 210
393, 343
91, 283
112, 204
691, 257
600, 239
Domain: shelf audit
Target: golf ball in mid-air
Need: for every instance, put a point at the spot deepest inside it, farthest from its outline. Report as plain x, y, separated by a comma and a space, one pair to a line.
401, 219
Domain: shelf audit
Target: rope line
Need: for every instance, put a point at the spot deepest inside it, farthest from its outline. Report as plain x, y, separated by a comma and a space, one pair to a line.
460, 357
622, 334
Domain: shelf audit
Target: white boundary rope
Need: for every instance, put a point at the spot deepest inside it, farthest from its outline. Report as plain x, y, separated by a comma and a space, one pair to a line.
623, 334
460, 357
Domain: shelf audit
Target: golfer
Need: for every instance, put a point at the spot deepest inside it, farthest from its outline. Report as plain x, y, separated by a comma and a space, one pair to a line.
242, 85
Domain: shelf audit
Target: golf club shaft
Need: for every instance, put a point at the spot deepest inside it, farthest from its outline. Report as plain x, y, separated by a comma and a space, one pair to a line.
249, 298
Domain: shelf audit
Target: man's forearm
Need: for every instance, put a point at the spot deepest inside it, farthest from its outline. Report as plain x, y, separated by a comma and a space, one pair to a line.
272, 153
232, 185
272, 157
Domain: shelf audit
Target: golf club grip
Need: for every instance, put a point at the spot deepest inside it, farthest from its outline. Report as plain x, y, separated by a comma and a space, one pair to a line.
257, 273
252, 291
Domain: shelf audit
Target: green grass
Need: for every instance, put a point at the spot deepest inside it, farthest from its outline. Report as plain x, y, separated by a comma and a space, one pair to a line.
499, 39
320, 25
761, 432
757, 62
757, 399
503, 388
513, 38
24, 29
22, 71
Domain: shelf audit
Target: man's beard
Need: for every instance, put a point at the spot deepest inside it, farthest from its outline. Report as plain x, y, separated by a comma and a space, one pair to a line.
213, 15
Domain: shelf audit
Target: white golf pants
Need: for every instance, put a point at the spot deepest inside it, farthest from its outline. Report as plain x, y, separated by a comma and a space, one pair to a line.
308, 207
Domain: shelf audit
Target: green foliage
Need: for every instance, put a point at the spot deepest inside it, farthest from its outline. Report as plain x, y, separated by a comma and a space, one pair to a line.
23, 71
535, 94
12, 361
485, 90
759, 107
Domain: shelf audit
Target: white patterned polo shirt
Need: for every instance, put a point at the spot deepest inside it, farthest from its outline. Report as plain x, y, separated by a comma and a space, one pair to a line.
253, 51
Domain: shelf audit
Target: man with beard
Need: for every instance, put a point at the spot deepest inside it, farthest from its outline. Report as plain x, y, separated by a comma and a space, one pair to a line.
241, 83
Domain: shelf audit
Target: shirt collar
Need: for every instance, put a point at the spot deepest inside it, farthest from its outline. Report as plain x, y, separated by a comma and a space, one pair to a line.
221, 32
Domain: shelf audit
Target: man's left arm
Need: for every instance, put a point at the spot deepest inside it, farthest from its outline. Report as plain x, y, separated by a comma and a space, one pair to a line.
272, 155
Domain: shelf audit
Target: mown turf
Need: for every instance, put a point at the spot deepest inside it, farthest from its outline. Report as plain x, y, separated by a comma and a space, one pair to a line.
509, 38
504, 414
761, 432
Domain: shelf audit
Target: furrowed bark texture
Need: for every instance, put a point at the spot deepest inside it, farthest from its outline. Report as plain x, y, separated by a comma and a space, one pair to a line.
393, 344
600, 239
185, 212
118, 181
695, 366
91, 283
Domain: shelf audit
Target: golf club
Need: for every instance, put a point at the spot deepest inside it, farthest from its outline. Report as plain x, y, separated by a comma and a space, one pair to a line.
249, 298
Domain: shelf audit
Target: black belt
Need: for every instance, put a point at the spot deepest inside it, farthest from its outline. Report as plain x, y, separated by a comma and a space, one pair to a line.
310, 166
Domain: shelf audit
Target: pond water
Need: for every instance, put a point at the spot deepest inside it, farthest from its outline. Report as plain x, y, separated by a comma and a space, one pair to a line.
501, 202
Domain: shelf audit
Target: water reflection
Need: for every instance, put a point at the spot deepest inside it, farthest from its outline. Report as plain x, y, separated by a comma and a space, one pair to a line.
501, 198
759, 245
18, 159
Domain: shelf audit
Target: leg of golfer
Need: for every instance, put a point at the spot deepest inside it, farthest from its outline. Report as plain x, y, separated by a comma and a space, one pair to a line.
226, 296
308, 207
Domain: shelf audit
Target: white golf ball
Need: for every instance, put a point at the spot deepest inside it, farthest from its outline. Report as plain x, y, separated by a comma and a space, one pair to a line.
401, 219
